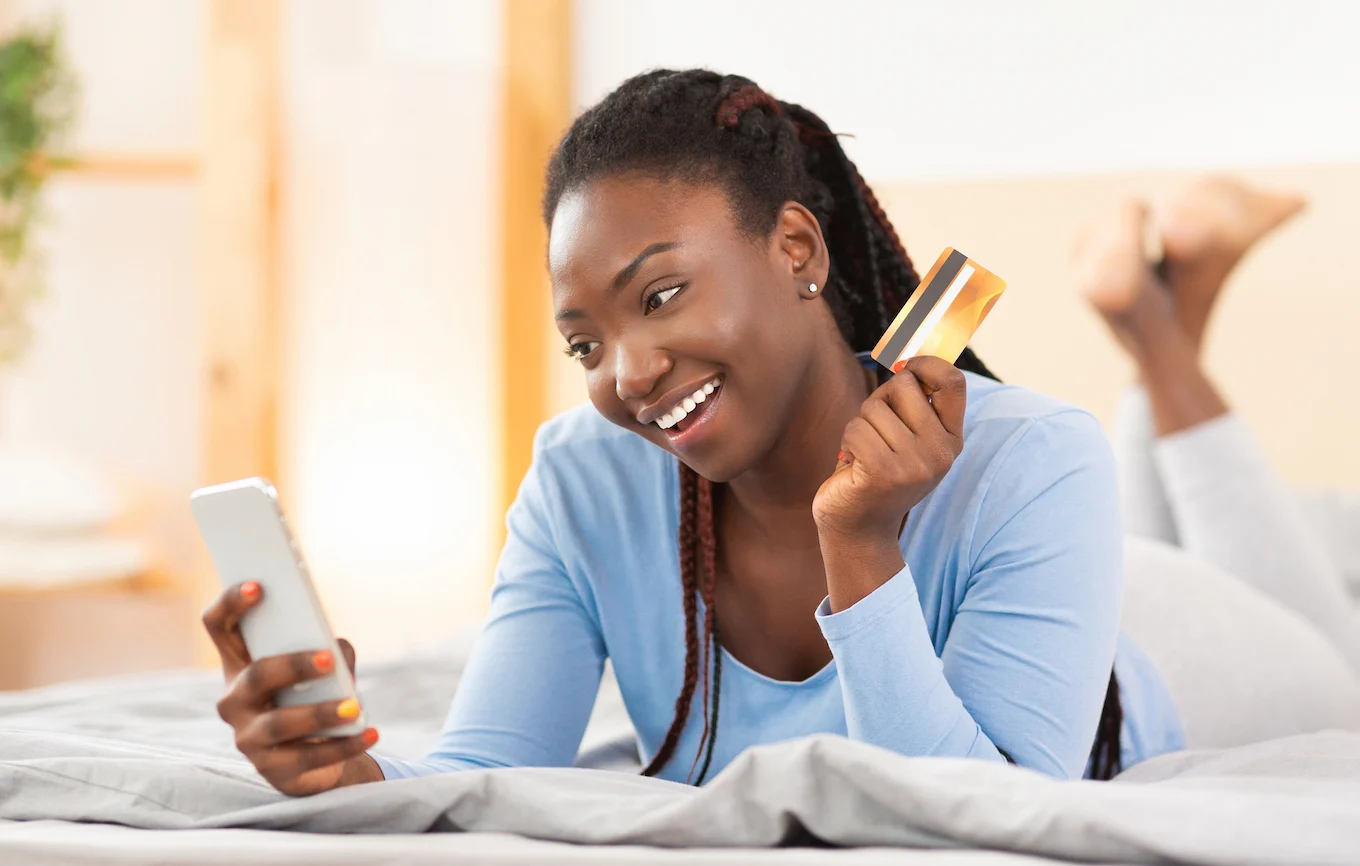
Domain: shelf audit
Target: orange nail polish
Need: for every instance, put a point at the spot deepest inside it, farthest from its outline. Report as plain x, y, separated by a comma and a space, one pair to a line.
840, 455
323, 661
370, 736
250, 590
899, 366
348, 709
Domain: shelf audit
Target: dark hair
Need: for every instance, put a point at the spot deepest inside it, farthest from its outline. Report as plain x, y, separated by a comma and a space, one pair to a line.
697, 125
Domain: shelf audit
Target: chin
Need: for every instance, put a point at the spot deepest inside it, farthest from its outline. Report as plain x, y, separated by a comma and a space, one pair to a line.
719, 472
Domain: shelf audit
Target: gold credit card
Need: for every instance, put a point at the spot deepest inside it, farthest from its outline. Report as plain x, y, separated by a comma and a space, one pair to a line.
941, 316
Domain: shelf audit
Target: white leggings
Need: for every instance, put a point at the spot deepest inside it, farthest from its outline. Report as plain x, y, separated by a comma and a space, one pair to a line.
1211, 491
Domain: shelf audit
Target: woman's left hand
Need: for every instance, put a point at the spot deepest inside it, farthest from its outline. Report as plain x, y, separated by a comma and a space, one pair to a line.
904, 440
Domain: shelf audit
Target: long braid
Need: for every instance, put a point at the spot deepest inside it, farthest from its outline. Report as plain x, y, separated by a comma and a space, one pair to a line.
717, 696
1106, 760
708, 545
689, 484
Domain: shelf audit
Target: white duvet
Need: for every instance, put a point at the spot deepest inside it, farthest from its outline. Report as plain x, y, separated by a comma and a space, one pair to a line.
149, 752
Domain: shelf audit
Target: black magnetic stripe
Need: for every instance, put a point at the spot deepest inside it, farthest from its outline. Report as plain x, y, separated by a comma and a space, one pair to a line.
933, 292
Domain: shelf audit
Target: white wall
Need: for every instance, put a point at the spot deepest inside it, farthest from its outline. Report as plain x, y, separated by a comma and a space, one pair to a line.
389, 406
994, 87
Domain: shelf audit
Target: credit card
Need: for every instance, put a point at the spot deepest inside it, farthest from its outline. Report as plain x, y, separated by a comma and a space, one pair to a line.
940, 317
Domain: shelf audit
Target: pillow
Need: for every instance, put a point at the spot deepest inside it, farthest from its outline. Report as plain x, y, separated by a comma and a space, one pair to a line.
1240, 666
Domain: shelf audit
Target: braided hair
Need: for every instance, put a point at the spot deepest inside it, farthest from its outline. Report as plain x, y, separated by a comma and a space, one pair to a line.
699, 126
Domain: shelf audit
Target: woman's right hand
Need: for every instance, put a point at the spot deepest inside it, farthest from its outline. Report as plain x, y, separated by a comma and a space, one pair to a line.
281, 741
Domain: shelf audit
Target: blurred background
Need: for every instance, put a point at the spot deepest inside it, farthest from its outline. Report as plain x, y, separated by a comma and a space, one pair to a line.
300, 238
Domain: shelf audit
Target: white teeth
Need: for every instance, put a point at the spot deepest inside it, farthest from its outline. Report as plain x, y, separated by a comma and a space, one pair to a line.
687, 405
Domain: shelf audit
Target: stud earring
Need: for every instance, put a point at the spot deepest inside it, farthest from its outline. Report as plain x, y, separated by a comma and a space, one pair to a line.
812, 287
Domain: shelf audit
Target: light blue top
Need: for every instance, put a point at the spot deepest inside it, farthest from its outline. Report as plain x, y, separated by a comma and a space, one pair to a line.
999, 632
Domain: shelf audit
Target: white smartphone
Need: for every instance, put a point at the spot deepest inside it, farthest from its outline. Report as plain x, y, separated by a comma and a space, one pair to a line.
249, 539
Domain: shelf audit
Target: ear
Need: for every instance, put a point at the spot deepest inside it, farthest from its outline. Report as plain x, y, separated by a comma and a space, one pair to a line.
802, 249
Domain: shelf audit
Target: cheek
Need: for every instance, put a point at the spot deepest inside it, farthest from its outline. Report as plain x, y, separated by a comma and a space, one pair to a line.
733, 322
600, 387
760, 329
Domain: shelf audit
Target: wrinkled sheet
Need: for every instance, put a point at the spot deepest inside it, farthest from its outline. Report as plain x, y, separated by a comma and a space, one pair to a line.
149, 752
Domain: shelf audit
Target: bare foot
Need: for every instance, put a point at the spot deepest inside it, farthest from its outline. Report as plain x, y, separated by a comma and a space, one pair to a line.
1108, 260
1116, 279
1205, 231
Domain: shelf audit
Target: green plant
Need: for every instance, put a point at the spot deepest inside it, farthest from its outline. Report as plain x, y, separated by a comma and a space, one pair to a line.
37, 105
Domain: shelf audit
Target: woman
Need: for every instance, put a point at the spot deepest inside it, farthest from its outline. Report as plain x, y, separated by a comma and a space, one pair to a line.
929, 562
1192, 473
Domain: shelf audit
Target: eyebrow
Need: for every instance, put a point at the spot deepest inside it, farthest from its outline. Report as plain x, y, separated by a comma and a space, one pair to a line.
629, 271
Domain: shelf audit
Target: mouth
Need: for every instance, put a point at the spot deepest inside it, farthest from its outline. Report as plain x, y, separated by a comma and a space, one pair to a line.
691, 413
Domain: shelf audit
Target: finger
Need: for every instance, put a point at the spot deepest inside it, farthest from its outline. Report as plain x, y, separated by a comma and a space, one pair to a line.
286, 724
222, 619
347, 649
947, 388
887, 423
863, 442
904, 394
304, 757
262, 679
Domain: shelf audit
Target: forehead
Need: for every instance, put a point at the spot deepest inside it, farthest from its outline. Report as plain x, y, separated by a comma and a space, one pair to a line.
602, 225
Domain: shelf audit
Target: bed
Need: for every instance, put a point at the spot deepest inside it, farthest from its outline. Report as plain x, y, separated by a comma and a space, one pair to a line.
139, 769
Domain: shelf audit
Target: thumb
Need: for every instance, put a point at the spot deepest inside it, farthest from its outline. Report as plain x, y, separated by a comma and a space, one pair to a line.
348, 649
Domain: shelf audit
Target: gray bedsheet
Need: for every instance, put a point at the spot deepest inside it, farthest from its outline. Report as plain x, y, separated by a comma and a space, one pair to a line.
149, 752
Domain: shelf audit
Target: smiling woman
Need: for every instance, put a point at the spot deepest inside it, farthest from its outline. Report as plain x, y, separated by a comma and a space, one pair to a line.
751, 516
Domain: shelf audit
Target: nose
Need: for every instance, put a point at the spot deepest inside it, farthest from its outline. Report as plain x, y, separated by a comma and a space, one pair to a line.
637, 369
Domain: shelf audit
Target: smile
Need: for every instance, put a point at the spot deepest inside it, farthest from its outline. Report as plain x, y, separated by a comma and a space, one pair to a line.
689, 405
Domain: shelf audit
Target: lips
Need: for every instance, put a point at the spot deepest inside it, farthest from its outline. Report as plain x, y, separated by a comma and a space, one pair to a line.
688, 404
697, 426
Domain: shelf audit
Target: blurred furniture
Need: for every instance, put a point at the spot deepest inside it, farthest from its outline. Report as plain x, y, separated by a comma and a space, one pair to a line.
82, 591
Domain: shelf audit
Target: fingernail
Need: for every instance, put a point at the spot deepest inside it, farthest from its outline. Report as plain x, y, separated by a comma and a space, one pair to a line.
323, 661
250, 591
371, 736
348, 709
899, 366
840, 455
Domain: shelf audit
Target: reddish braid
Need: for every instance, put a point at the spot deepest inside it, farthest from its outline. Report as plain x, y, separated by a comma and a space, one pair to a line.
880, 217
708, 556
689, 486
742, 100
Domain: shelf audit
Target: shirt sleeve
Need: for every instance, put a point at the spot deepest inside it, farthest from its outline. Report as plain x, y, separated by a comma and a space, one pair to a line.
1029, 652
530, 684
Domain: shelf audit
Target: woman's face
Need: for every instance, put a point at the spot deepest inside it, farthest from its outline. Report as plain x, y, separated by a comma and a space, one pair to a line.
691, 332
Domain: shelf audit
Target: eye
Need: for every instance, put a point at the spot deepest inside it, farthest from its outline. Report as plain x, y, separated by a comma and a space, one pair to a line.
579, 351
656, 300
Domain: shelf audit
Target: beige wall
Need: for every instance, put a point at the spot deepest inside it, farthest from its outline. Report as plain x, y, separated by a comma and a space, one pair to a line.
1284, 345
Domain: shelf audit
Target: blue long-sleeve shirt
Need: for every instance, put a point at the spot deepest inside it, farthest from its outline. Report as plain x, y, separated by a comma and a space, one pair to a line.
998, 634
